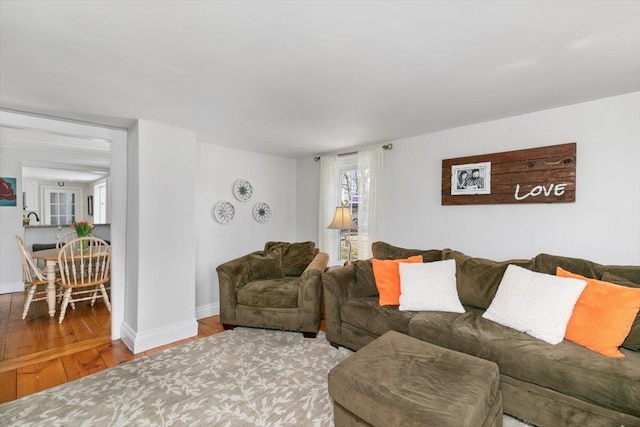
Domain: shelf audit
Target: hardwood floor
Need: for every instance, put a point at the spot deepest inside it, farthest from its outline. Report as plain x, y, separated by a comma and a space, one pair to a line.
39, 332
37, 353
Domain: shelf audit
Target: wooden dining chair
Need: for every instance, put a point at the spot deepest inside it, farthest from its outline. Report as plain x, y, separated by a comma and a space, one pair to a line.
33, 278
66, 238
84, 270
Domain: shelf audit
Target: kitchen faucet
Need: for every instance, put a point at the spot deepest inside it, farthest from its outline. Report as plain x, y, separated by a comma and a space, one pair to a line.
37, 217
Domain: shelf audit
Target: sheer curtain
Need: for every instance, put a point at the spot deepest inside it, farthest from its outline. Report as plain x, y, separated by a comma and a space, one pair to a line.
370, 171
329, 240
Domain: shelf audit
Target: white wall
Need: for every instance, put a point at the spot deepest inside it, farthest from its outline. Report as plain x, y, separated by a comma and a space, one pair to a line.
273, 180
10, 226
161, 253
603, 224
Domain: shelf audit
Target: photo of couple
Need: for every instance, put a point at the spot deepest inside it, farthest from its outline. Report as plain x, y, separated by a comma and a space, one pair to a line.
471, 179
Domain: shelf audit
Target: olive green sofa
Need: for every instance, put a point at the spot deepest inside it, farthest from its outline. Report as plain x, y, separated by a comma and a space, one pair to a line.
547, 385
279, 287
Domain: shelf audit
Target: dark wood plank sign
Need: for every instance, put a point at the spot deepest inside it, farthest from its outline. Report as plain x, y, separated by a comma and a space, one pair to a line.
535, 175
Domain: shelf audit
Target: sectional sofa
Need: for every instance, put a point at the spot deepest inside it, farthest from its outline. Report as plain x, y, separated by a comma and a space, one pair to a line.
548, 385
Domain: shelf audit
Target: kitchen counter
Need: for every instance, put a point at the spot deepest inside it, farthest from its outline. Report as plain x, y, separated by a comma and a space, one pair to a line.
49, 234
56, 226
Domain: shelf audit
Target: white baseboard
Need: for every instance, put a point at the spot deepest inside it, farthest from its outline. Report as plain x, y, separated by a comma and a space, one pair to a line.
143, 341
9, 288
207, 310
127, 335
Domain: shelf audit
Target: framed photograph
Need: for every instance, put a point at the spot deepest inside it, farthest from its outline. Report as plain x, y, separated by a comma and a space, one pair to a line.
90, 205
472, 178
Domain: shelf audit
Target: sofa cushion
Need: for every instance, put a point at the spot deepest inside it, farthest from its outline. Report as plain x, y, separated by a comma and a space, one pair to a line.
545, 263
536, 303
429, 286
631, 273
603, 315
478, 278
387, 275
566, 367
366, 314
632, 342
365, 284
264, 266
295, 256
382, 250
433, 326
274, 293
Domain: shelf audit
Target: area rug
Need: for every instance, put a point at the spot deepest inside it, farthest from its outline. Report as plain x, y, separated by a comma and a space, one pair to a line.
244, 377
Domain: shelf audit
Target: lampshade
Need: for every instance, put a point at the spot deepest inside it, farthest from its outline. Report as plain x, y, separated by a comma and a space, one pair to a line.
342, 219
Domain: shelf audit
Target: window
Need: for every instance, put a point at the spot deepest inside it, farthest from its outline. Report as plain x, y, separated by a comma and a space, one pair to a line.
356, 182
61, 207
349, 196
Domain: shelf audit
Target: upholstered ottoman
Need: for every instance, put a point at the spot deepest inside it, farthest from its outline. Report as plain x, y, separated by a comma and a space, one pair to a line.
397, 380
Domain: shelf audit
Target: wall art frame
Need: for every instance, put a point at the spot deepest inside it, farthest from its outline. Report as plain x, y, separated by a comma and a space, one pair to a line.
534, 175
8, 191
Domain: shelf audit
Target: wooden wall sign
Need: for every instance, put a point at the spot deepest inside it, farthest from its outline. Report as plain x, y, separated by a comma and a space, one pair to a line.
535, 175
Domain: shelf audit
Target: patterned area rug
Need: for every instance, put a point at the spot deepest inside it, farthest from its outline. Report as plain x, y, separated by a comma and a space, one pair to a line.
244, 377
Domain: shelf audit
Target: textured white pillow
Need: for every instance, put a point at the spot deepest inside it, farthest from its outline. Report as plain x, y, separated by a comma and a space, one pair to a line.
535, 303
429, 286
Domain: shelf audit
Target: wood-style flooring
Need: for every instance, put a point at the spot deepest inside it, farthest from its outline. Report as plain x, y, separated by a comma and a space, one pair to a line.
37, 353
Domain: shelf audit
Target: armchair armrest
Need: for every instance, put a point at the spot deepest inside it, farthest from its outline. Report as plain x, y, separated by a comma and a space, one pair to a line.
232, 275
316, 267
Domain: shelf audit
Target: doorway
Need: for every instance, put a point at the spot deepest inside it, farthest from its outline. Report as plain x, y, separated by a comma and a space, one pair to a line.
118, 155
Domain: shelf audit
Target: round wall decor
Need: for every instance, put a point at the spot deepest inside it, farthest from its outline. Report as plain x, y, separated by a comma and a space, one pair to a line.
224, 212
242, 190
262, 212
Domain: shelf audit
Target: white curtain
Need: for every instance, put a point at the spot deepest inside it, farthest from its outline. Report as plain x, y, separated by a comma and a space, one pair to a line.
370, 171
329, 240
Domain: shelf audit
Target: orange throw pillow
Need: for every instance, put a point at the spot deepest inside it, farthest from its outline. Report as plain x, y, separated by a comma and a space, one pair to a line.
387, 275
603, 315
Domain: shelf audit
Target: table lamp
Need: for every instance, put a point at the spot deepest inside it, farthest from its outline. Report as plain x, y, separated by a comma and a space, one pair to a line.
342, 221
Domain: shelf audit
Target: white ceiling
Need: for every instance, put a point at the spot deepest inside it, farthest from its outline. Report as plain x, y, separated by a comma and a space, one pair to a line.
56, 157
299, 78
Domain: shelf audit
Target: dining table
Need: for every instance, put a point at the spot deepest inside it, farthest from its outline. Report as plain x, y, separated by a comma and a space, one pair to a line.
50, 257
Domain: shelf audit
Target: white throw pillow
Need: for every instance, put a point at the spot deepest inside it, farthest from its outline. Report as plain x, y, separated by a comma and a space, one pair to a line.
429, 286
535, 303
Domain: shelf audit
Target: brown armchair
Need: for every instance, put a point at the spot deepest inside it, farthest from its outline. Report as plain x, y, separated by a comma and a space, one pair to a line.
277, 288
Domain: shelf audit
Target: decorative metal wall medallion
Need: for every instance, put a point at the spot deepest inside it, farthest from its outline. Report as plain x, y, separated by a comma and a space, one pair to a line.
262, 212
224, 212
242, 190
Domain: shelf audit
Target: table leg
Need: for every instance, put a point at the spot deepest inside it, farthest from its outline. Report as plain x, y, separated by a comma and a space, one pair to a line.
51, 287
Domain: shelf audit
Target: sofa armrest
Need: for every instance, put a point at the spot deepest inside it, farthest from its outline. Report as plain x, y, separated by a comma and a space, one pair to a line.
339, 286
232, 275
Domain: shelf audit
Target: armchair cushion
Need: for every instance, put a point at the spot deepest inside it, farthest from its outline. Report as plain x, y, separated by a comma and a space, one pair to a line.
265, 266
295, 256
272, 293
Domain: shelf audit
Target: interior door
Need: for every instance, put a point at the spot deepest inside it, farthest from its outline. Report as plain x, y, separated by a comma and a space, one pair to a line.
62, 206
